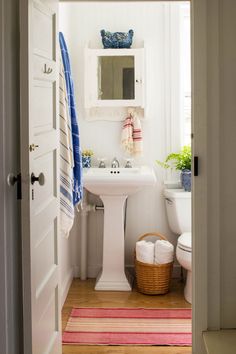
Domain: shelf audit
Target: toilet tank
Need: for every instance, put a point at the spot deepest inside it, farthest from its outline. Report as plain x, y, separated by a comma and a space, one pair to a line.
178, 207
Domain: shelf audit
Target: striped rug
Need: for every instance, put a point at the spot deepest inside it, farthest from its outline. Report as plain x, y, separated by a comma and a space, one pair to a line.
128, 326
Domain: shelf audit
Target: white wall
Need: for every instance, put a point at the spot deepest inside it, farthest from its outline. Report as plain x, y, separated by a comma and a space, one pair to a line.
154, 24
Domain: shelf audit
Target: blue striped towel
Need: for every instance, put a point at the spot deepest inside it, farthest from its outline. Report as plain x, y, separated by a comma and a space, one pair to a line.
66, 159
77, 183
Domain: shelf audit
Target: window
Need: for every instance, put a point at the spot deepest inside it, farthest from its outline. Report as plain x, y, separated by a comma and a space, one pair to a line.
185, 63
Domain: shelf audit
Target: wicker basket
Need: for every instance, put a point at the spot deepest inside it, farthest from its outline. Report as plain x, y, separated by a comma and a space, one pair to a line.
153, 279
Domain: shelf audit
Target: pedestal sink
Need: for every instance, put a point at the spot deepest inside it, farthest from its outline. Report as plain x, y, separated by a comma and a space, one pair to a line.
114, 185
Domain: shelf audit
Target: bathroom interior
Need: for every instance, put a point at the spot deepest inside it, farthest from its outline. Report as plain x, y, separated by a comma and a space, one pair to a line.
128, 194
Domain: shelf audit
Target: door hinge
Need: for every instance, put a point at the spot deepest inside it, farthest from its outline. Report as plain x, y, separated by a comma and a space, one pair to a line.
195, 166
12, 180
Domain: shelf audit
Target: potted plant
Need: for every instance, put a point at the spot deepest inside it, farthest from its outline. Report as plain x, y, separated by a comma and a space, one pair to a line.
86, 158
180, 161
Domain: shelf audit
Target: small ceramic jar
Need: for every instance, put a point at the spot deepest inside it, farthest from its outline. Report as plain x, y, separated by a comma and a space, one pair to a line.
186, 180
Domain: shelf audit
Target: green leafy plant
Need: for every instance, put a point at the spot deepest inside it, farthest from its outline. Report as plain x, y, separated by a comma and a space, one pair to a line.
180, 161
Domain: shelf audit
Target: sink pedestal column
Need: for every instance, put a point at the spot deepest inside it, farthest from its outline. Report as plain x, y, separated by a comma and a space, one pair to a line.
112, 276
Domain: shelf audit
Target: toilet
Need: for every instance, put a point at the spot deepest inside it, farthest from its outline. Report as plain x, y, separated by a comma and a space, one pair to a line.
178, 206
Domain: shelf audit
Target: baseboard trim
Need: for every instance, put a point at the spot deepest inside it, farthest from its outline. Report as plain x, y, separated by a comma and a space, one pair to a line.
76, 271
176, 271
66, 286
93, 270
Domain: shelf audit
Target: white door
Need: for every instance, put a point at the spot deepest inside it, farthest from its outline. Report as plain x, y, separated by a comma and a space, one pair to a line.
39, 168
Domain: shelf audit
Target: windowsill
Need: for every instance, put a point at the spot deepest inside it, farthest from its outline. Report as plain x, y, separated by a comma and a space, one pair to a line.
172, 184
218, 342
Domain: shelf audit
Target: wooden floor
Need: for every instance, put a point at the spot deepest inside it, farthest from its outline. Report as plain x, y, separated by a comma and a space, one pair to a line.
82, 294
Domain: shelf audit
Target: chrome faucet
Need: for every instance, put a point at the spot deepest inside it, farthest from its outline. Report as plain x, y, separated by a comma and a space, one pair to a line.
115, 163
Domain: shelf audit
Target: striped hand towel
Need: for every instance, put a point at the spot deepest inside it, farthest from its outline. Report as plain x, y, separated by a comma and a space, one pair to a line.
131, 138
77, 182
137, 137
66, 159
127, 135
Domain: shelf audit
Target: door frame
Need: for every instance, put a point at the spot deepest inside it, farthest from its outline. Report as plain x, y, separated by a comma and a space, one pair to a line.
10, 241
199, 192
3, 155
200, 149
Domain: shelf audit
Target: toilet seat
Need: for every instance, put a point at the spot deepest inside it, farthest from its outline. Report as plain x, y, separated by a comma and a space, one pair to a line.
185, 242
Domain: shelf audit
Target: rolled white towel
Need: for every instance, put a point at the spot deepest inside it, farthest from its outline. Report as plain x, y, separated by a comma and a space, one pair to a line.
164, 252
145, 251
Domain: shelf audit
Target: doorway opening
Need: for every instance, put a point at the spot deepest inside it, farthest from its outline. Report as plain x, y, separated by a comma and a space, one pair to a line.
167, 128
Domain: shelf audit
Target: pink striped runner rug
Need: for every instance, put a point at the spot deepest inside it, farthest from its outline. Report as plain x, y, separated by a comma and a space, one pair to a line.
128, 326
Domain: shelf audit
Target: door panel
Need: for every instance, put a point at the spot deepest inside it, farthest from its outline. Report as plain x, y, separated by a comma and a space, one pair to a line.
44, 30
43, 222
46, 241
46, 326
40, 155
44, 109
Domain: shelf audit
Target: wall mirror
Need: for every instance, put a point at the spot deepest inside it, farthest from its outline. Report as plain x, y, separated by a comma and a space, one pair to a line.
116, 78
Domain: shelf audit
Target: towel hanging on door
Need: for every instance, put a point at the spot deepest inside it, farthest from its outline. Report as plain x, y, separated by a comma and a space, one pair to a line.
77, 182
66, 159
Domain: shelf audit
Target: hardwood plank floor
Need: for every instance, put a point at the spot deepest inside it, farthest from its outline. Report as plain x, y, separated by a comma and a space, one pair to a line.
82, 294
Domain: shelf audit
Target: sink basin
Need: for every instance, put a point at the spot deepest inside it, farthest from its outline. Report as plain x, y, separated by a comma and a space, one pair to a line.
114, 185
118, 181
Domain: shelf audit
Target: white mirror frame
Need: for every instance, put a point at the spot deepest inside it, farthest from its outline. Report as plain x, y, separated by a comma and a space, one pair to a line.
91, 78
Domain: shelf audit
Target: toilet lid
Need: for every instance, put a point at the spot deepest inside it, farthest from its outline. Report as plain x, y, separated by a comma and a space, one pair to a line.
185, 241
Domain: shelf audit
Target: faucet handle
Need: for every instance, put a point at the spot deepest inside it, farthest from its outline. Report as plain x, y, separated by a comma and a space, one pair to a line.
102, 162
115, 163
129, 163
